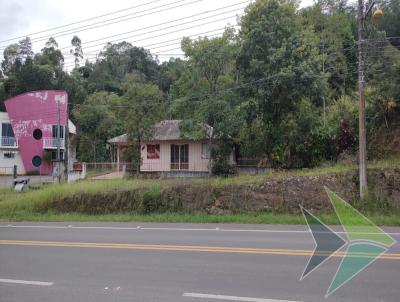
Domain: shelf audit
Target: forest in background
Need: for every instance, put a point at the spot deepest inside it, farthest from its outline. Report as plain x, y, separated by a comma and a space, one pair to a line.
282, 87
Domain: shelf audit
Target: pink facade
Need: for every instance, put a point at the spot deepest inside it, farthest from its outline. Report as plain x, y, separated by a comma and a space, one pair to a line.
38, 111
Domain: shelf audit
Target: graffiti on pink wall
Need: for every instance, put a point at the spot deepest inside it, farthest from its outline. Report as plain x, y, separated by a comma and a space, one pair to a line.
32, 116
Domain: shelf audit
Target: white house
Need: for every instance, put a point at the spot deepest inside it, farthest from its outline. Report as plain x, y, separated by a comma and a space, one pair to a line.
167, 152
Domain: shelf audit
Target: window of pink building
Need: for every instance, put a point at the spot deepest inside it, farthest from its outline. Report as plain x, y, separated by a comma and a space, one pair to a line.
153, 151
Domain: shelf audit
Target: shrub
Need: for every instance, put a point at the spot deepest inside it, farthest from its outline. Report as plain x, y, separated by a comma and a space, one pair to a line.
151, 201
222, 167
32, 173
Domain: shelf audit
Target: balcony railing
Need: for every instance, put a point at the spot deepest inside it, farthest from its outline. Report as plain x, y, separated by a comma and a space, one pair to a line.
8, 141
53, 143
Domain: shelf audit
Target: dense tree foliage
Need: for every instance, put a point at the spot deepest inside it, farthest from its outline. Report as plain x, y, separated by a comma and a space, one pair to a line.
281, 89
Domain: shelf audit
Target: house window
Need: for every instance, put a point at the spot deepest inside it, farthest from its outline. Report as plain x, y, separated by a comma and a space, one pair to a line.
6, 130
9, 155
54, 155
153, 151
205, 151
55, 132
180, 157
7, 135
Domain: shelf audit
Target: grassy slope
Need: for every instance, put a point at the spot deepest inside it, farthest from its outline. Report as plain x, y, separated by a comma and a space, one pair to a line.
15, 206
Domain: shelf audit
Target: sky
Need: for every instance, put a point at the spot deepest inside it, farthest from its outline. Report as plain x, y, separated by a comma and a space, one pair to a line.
157, 25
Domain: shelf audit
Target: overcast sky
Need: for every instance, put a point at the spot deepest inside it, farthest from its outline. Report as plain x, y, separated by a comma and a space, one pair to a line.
24, 17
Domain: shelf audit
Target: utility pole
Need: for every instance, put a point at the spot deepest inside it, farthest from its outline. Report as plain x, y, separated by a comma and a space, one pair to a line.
361, 124
66, 146
323, 71
58, 142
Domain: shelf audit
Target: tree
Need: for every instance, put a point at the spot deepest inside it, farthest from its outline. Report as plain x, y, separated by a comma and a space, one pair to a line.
12, 59
211, 58
390, 23
334, 24
118, 60
25, 48
142, 108
169, 73
51, 55
77, 51
279, 64
97, 121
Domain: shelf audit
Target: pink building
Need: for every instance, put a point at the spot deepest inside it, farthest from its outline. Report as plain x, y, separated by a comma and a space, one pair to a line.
30, 135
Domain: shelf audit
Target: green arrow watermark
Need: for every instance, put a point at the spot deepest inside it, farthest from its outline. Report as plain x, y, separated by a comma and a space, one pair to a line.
365, 242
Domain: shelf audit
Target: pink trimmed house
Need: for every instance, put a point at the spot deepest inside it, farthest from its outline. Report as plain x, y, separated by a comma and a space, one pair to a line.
29, 131
168, 153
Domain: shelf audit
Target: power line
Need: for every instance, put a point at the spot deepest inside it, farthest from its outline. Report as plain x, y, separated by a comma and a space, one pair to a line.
168, 33
161, 53
164, 34
99, 24
160, 43
168, 22
80, 21
179, 30
187, 99
86, 28
193, 98
171, 32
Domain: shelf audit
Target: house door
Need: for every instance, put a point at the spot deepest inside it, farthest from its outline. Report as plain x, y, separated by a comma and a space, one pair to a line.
180, 157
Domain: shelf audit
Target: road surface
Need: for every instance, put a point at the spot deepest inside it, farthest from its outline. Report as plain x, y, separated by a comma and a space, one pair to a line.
49, 262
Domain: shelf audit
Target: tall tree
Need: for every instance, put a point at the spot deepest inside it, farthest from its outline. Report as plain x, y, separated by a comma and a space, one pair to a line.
211, 58
390, 23
76, 51
25, 48
279, 64
142, 108
12, 61
335, 23
97, 121
51, 55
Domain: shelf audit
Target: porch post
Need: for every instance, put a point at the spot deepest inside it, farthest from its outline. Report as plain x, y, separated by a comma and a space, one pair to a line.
117, 158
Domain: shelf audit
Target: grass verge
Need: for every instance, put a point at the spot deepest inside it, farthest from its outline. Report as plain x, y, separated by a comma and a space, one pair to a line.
245, 218
23, 207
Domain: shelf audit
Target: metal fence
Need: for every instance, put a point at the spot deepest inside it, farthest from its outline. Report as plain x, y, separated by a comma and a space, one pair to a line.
100, 168
6, 170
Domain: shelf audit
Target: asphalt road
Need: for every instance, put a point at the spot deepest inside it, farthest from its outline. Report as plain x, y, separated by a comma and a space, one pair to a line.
49, 262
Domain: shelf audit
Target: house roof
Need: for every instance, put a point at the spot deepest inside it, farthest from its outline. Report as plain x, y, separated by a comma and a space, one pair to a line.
122, 139
71, 127
167, 130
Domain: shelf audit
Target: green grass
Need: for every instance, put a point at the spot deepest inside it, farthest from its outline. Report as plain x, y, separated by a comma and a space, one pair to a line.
245, 218
21, 206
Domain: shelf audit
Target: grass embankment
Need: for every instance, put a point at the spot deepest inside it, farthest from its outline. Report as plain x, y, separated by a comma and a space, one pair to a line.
35, 205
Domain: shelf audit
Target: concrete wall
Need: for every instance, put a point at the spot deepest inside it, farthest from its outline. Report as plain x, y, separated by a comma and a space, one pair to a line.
7, 164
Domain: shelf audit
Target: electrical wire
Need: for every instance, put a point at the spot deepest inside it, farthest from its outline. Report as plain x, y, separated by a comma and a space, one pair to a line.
80, 21
99, 24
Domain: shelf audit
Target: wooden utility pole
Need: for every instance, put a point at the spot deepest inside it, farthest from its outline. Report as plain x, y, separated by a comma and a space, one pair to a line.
361, 81
66, 146
58, 142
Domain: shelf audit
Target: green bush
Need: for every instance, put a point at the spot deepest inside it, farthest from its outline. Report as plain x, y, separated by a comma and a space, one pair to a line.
32, 173
221, 167
151, 201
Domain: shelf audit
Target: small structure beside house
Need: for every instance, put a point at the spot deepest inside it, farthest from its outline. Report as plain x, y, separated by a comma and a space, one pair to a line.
168, 153
30, 136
